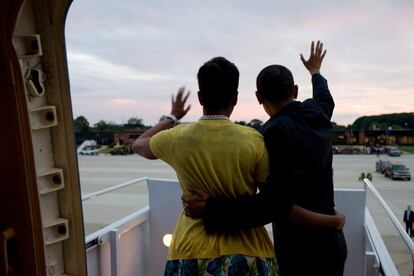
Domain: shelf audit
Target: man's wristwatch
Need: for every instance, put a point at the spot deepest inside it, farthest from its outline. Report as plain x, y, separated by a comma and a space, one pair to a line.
172, 117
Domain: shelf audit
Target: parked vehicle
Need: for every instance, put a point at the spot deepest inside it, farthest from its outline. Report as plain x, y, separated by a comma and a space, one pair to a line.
393, 151
85, 145
397, 171
380, 165
90, 150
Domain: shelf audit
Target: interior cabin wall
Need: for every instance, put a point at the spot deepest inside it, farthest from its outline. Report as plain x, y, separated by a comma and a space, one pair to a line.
18, 197
40, 195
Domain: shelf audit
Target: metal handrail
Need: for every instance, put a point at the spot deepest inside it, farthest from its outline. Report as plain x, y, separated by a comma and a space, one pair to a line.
407, 240
140, 216
114, 188
382, 255
120, 186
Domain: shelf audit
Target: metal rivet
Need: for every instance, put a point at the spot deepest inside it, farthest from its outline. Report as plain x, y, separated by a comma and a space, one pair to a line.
50, 117
100, 241
34, 46
62, 229
57, 179
52, 270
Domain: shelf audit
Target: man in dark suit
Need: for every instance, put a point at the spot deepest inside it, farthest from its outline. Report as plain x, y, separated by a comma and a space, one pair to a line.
298, 139
408, 220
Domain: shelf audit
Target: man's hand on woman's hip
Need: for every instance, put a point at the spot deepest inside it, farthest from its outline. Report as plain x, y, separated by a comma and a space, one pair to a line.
195, 203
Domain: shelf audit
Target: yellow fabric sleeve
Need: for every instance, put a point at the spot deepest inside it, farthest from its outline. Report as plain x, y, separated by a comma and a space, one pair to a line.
161, 145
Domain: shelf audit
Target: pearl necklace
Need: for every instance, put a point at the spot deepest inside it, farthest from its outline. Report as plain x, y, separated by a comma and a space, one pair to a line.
214, 117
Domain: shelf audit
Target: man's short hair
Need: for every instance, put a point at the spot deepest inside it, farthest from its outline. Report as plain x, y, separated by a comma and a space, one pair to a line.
218, 80
275, 83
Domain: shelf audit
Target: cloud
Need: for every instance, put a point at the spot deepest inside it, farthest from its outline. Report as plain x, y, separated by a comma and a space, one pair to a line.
137, 54
123, 102
85, 66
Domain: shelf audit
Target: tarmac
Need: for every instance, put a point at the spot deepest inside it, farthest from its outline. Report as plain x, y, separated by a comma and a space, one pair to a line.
103, 171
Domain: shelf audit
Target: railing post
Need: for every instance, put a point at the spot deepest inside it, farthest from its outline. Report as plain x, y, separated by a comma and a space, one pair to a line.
113, 238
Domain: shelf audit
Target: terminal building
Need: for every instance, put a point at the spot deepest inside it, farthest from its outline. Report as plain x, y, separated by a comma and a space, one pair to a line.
373, 137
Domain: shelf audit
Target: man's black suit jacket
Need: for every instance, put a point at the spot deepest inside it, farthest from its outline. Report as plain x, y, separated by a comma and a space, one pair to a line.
410, 219
298, 139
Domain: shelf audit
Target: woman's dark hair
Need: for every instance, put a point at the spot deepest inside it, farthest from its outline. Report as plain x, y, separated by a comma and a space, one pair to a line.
275, 83
218, 80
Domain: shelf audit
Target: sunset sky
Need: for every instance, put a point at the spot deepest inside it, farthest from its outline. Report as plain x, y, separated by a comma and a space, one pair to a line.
127, 57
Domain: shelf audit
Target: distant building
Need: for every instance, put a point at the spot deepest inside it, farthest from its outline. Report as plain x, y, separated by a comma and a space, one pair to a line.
373, 137
130, 133
127, 137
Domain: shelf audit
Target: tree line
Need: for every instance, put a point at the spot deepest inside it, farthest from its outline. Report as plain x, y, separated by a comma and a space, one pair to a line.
376, 122
392, 121
82, 125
